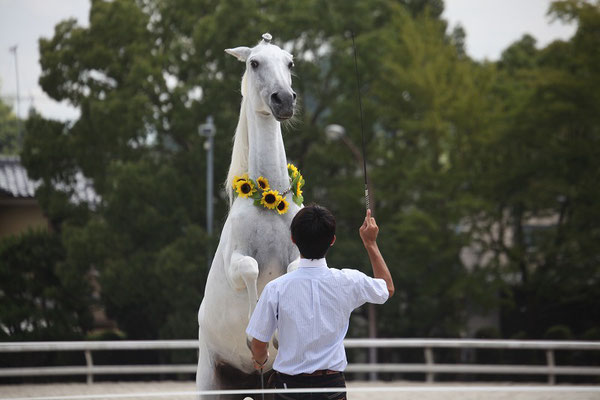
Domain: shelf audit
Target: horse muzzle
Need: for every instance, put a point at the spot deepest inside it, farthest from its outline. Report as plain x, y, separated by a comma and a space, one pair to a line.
282, 105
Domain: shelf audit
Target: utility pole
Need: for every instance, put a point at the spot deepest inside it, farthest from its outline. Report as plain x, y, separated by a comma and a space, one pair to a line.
208, 131
13, 50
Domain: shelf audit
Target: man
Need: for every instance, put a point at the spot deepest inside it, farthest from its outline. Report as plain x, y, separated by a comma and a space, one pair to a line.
311, 307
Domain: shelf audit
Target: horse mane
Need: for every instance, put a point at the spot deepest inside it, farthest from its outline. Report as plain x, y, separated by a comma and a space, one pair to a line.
239, 155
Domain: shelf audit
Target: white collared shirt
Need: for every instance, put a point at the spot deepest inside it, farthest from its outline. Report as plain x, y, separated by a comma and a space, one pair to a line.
310, 308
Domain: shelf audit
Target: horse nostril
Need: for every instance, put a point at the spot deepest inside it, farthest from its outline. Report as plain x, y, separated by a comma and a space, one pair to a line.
294, 95
275, 98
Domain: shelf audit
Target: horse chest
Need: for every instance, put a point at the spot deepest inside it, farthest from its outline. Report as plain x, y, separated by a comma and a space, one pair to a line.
265, 236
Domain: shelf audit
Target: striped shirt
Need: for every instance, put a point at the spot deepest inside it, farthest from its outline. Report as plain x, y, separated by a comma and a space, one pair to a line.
310, 308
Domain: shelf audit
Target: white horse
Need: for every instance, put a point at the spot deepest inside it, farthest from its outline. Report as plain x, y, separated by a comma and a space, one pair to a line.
255, 245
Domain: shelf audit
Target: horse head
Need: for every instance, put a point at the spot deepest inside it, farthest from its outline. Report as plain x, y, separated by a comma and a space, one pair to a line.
267, 82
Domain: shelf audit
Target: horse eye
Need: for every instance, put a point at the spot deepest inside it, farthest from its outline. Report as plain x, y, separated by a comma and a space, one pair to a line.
291, 65
254, 64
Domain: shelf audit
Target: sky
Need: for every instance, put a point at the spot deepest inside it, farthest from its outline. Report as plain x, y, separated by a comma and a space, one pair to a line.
490, 25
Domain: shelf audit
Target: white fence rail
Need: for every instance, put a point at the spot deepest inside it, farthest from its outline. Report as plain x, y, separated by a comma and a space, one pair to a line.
430, 367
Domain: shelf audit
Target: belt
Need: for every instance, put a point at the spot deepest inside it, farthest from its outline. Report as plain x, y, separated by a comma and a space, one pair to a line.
322, 372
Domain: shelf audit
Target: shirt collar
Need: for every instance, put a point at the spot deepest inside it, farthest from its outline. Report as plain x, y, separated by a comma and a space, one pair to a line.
308, 263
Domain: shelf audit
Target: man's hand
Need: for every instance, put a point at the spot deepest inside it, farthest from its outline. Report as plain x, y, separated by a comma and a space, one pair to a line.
260, 354
369, 230
368, 233
259, 365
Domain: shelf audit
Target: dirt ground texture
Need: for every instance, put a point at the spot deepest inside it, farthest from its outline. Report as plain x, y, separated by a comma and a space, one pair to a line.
405, 391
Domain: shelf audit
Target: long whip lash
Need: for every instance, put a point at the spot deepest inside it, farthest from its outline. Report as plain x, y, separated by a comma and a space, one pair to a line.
362, 130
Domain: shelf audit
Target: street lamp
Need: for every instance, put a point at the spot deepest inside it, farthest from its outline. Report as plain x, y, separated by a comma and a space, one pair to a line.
208, 131
337, 132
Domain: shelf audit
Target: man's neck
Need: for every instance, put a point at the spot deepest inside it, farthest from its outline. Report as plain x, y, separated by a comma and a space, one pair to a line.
312, 263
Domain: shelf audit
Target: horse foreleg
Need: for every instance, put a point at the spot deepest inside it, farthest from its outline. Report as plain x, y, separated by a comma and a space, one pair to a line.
243, 274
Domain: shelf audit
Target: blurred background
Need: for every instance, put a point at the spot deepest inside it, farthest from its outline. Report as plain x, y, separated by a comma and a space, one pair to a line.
482, 130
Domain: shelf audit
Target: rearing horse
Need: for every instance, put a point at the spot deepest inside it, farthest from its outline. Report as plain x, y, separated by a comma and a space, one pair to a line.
255, 245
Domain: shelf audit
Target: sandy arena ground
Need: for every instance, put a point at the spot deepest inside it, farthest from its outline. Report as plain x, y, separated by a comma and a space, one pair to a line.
408, 391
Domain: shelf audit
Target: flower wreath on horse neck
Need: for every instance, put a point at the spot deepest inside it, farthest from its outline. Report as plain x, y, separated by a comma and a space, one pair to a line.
263, 195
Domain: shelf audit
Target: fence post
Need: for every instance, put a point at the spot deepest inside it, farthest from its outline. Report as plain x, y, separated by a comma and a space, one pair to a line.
89, 362
429, 361
551, 364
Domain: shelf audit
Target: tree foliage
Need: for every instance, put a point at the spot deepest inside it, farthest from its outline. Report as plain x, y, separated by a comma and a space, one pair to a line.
38, 300
9, 130
548, 152
432, 119
462, 155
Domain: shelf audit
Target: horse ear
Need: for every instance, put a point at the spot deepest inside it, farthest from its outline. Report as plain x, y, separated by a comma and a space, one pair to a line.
241, 53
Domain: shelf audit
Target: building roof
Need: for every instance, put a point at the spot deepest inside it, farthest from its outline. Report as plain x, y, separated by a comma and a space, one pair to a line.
15, 183
13, 178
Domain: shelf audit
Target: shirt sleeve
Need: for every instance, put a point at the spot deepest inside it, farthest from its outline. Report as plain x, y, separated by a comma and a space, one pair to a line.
263, 321
366, 289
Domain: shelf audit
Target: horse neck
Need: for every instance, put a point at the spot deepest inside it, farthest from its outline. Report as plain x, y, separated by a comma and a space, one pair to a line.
266, 152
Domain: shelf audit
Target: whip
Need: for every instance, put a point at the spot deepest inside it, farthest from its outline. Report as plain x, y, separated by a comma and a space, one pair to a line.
362, 131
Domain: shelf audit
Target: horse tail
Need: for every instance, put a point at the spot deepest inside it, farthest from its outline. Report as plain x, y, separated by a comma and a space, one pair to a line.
239, 155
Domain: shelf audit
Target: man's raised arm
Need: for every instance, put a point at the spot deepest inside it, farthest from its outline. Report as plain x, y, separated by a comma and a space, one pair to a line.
368, 233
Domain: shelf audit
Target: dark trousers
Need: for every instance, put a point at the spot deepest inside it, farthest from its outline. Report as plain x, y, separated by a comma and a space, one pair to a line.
283, 381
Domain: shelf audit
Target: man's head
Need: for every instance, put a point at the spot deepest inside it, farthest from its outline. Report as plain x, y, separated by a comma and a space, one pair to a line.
313, 231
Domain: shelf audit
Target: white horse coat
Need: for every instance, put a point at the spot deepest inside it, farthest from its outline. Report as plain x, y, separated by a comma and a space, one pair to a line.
255, 245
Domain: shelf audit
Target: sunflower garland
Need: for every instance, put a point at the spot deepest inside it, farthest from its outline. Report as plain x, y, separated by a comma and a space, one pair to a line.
245, 188
263, 183
270, 198
237, 179
296, 184
263, 195
282, 207
292, 170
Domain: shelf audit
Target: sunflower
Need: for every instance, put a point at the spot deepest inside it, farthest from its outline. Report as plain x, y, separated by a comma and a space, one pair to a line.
236, 179
245, 188
299, 188
270, 198
263, 183
282, 206
292, 170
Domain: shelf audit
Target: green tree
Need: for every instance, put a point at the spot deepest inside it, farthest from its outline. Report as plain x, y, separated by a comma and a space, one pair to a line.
541, 167
148, 199
433, 116
38, 300
9, 131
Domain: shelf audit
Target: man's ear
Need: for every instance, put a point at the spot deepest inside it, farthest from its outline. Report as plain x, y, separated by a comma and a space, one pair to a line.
292, 237
241, 53
333, 241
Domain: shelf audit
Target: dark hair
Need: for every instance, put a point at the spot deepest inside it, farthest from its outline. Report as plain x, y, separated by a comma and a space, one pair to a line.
313, 229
